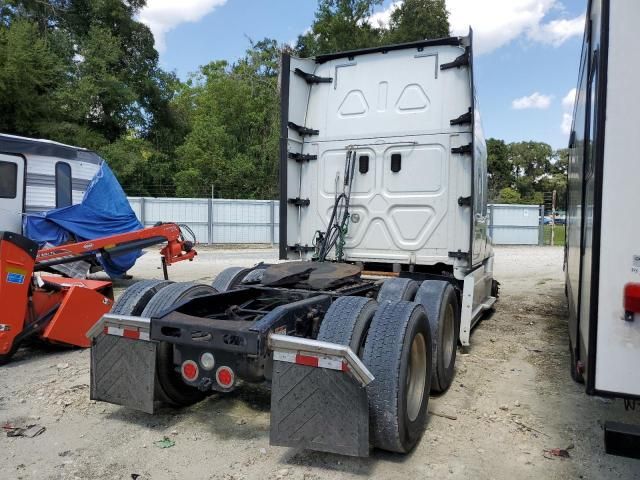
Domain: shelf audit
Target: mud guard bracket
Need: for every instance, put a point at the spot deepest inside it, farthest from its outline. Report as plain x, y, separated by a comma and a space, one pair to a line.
476, 298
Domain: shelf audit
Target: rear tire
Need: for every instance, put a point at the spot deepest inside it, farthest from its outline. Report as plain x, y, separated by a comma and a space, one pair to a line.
137, 296
229, 279
347, 322
440, 301
398, 354
169, 385
397, 289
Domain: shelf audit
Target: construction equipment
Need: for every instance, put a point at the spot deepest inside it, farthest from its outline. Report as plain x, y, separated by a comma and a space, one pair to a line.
383, 168
59, 309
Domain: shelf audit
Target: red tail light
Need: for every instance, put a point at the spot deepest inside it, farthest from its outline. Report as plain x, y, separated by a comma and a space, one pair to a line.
225, 377
631, 300
190, 370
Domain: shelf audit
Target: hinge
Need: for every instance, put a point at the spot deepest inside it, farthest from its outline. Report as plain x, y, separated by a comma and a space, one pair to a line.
300, 248
464, 201
461, 61
460, 255
302, 130
302, 157
299, 202
462, 119
311, 78
463, 149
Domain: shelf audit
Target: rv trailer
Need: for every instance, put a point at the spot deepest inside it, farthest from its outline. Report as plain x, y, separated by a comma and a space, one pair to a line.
602, 256
40, 175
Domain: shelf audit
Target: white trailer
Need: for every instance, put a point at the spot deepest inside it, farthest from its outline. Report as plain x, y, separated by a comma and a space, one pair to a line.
383, 172
602, 259
39, 175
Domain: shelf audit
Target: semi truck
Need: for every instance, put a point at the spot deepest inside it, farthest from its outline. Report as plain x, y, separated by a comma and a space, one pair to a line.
386, 263
602, 255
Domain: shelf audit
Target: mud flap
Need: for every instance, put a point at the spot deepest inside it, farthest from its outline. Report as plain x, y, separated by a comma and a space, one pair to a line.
123, 362
318, 397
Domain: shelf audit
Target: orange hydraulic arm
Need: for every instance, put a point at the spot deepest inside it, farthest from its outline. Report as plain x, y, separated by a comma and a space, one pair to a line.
176, 250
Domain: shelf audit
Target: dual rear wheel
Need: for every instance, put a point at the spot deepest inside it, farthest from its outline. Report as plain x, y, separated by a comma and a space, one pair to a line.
148, 298
394, 338
407, 339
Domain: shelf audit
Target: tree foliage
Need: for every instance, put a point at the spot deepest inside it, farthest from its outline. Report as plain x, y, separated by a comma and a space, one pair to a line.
418, 19
85, 72
233, 142
341, 25
525, 171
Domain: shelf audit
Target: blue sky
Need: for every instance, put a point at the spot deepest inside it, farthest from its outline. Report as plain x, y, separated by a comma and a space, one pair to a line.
527, 51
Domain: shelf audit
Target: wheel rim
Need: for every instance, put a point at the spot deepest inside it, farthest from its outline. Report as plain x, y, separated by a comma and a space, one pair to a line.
448, 336
416, 376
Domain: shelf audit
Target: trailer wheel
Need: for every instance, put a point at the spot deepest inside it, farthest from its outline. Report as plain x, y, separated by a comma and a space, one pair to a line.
575, 375
495, 288
136, 297
170, 387
398, 353
347, 322
229, 278
440, 301
397, 289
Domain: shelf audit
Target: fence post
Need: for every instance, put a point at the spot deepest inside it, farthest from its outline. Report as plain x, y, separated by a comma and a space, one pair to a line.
491, 221
272, 219
142, 212
541, 228
210, 219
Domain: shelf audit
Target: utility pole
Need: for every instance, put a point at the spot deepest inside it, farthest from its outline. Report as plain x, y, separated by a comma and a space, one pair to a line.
553, 217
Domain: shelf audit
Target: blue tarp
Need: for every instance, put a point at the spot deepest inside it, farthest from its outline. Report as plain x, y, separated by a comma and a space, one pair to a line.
104, 211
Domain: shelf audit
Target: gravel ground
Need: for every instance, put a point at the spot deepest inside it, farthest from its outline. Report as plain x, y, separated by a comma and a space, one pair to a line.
512, 400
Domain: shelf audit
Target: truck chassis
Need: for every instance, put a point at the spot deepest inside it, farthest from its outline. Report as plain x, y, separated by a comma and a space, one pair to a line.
241, 330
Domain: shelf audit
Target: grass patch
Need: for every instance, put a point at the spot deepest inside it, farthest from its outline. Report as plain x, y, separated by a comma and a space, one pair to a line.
559, 235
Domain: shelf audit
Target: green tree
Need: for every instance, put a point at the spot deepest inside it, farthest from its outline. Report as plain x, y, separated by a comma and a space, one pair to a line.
499, 167
92, 62
31, 68
141, 169
233, 141
530, 159
340, 25
417, 20
525, 171
509, 195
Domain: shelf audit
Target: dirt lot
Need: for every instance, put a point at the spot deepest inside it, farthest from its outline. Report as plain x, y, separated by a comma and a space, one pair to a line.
512, 400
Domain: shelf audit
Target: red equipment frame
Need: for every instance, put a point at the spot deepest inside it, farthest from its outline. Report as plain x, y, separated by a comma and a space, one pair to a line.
59, 309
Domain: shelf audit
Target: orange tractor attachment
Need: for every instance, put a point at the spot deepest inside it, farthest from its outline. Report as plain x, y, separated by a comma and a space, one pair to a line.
58, 309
